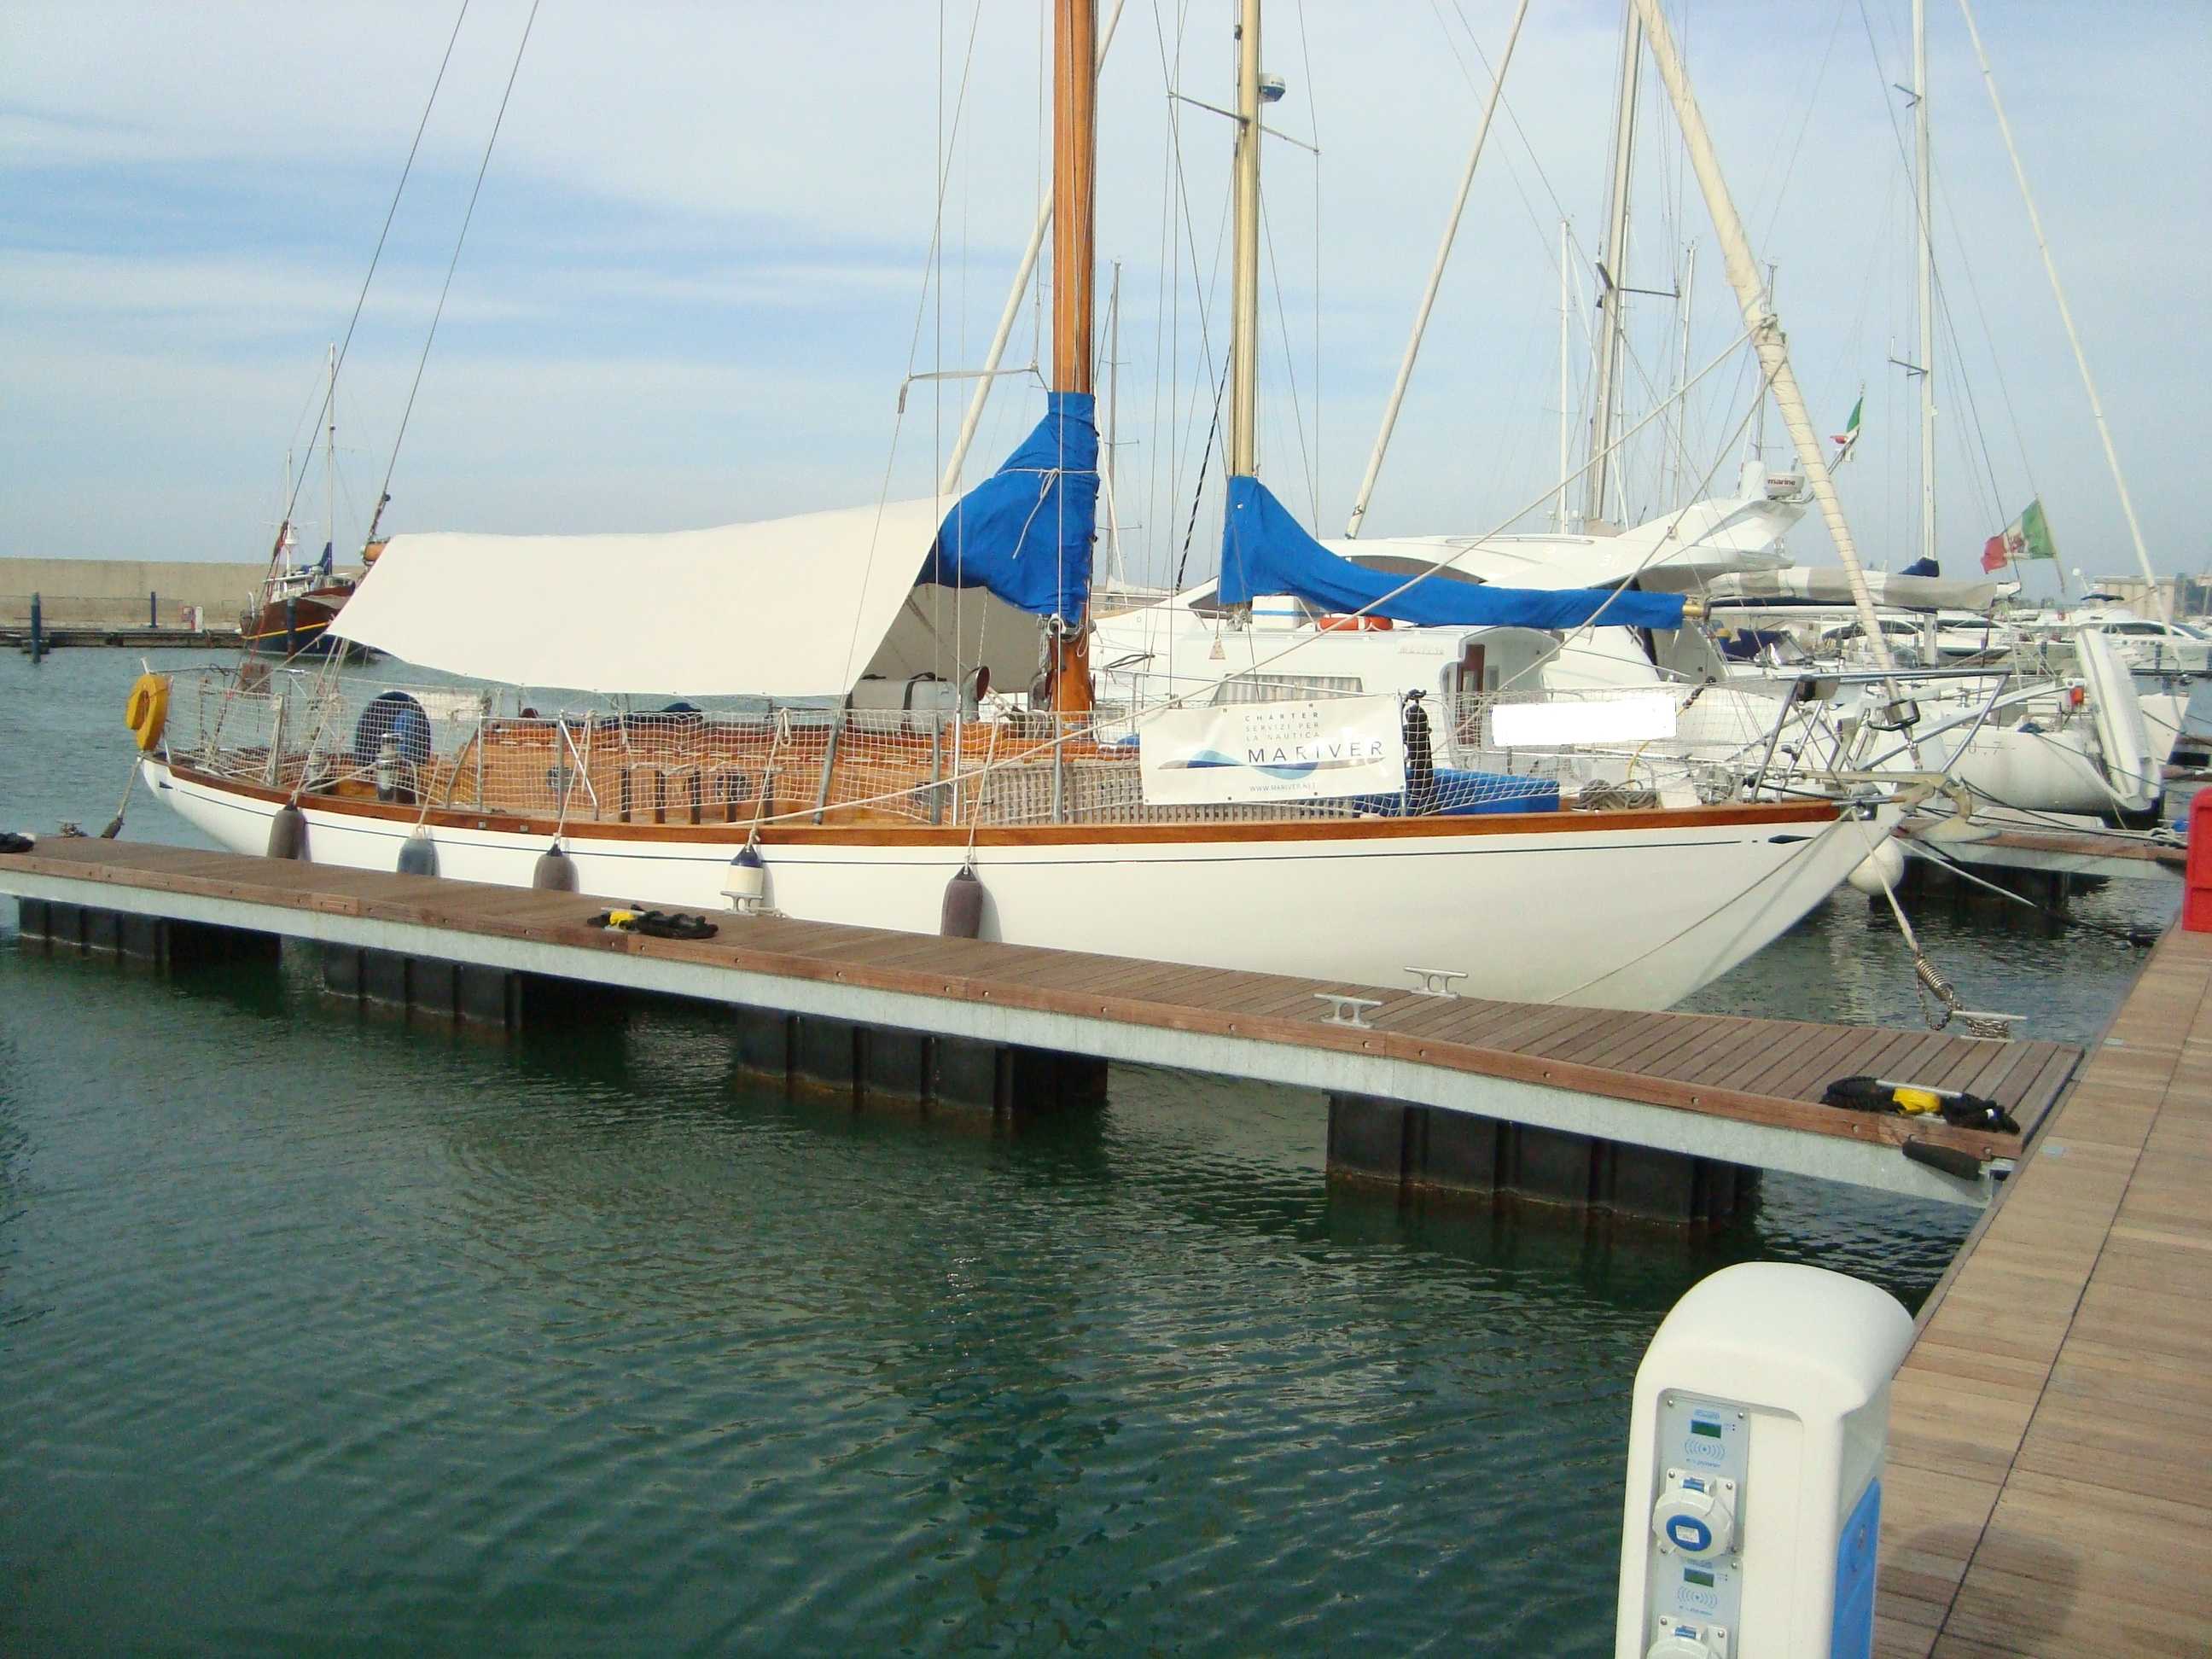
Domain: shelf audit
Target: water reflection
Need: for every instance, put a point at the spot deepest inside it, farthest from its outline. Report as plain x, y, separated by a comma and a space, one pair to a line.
582, 1339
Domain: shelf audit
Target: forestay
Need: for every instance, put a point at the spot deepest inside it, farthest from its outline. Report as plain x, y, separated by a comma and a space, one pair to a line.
791, 607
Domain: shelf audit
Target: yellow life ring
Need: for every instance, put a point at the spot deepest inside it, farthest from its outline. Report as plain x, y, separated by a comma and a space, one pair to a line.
148, 710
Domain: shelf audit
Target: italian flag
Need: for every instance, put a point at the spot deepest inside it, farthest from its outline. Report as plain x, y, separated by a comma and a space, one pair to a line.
1849, 435
2027, 536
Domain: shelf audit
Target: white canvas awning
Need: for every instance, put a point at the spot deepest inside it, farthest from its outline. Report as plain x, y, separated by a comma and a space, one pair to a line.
793, 607
1819, 585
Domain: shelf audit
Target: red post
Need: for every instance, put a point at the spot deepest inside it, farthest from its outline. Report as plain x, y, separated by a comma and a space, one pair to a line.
2197, 901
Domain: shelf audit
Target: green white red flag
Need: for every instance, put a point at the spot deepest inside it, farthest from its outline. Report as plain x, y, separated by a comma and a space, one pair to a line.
1845, 440
2027, 536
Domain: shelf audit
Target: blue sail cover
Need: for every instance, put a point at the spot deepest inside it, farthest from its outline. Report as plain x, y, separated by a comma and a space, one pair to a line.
1265, 551
1025, 532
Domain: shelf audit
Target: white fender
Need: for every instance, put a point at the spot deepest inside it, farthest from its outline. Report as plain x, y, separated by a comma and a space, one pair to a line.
2129, 765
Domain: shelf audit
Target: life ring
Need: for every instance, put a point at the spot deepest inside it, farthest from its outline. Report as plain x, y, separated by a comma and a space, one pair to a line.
1359, 624
146, 712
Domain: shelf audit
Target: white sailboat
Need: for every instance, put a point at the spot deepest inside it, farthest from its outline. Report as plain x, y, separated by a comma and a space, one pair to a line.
905, 800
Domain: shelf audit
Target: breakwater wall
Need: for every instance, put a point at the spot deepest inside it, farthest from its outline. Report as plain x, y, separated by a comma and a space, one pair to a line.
124, 592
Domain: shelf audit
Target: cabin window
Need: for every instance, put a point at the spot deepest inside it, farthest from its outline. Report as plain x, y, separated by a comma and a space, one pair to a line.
1402, 564
1206, 602
1285, 688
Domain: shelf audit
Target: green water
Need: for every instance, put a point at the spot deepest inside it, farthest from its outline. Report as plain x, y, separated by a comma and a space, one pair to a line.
321, 1333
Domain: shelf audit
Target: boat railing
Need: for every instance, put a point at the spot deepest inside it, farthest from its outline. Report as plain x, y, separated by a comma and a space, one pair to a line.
513, 753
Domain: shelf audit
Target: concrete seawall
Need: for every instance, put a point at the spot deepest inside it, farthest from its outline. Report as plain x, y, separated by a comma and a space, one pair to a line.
124, 592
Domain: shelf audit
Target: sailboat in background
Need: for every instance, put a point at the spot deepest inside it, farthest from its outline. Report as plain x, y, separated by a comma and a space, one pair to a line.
1319, 835
2074, 736
289, 614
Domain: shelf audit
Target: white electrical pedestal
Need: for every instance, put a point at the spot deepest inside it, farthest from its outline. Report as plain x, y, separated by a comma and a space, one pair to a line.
1754, 1470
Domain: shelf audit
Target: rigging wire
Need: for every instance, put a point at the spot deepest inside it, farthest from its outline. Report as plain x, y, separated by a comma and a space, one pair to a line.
1474, 543
1996, 366
384, 491
1925, 217
1544, 232
1313, 125
306, 464
1202, 296
942, 169
1289, 366
1167, 310
1206, 461
1805, 122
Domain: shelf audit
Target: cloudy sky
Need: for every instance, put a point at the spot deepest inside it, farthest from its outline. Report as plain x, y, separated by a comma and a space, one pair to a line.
702, 264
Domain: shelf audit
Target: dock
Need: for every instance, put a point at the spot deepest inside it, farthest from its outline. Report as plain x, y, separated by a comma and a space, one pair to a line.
2054, 852
1648, 1113
142, 638
2050, 1482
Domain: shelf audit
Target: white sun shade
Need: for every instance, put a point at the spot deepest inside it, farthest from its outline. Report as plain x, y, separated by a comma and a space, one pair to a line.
784, 607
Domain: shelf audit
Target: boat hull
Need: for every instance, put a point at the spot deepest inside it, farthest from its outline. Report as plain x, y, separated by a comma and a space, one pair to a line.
298, 627
1629, 911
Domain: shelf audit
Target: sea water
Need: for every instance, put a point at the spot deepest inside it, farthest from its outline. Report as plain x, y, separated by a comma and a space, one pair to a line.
325, 1333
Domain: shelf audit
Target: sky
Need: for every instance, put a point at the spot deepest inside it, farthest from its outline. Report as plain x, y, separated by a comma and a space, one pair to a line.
710, 248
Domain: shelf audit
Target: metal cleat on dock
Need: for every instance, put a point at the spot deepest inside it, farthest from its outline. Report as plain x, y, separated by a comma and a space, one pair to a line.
1348, 1010
1437, 981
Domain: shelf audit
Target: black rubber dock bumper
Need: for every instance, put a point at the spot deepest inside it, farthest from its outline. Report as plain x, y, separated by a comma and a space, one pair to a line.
154, 941
882, 1063
1424, 1152
492, 997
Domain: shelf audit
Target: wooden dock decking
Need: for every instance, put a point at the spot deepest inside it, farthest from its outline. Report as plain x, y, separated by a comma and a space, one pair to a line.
1723, 1086
2057, 852
2050, 1485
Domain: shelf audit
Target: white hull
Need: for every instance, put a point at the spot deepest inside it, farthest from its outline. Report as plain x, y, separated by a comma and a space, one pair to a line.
2034, 771
1616, 915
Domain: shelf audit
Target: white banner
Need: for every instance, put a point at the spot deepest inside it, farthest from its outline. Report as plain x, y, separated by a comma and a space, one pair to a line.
1261, 751
1562, 724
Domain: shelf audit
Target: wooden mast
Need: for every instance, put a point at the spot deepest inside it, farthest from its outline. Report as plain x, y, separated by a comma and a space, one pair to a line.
1074, 177
1244, 315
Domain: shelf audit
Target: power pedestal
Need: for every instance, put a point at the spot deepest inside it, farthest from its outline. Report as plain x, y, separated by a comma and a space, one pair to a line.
1754, 1470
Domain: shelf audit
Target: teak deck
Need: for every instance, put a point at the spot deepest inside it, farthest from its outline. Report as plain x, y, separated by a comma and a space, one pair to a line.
1765, 1072
2050, 1486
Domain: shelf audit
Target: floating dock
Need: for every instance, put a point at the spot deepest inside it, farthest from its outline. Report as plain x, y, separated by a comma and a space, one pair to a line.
1655, 1113
2055, 852
2050, 1482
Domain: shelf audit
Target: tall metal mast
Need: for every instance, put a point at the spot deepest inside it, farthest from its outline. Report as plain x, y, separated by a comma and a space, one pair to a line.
1566, 380
1436, 280
1074, 179
2066, 316
1677, 470
1925, 217
1614, 273
1682, 378
1758, 317
1244, 313
330, 462
1112, 436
